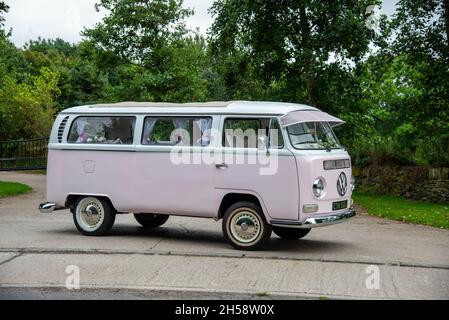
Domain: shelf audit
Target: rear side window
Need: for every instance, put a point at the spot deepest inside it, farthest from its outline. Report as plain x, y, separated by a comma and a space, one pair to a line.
102, 130
177, 131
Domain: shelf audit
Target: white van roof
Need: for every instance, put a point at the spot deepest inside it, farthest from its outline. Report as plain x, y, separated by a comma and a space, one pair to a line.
214, 107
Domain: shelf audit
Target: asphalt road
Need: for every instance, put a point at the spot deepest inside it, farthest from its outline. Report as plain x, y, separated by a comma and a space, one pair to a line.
367, 257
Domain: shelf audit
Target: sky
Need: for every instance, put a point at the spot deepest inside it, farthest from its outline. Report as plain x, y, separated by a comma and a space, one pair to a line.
65, 19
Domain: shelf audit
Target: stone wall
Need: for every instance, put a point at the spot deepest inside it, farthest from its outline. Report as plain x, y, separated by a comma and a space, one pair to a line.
419, 183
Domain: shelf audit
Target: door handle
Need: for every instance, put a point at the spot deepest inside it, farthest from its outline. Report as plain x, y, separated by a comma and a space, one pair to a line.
221, 166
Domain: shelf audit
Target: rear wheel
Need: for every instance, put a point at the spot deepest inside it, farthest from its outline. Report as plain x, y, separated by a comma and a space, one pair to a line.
290, 233
244, 226
151, 220
93, 216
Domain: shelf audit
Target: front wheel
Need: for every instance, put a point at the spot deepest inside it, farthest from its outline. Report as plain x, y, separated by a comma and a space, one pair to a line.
93, 216
290, 233
244, 226
150, 220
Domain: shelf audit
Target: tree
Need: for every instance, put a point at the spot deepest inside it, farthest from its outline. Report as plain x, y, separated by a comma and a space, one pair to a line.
3, 9
147, 52
422, 28
46, 46
290, 42
422, 36
11, 61
79, 79
27, 109
136, 30
26, 103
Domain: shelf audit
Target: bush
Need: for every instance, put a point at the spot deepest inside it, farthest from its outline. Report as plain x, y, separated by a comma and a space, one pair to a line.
27, 109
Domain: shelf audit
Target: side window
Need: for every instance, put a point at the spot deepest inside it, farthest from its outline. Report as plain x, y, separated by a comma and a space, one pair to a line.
179, 131
161, 131
102, 130
241, 133
244, 133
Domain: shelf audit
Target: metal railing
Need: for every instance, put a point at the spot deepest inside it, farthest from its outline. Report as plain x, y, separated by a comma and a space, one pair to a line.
28, 154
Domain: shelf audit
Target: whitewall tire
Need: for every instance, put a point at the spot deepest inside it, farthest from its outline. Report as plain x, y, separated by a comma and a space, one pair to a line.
93, 216
244, 226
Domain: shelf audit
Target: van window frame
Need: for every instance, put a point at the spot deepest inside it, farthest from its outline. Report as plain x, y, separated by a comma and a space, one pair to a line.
251, 117
73, 120
165, 116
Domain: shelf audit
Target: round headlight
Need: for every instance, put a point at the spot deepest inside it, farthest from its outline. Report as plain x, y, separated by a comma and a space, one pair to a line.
352, 183
318, 188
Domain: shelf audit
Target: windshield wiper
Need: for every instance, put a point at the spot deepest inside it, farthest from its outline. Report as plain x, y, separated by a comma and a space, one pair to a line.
304, 142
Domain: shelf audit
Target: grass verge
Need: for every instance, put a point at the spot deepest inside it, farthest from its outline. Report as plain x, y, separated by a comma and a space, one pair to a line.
12, 188
34, 171
411, 211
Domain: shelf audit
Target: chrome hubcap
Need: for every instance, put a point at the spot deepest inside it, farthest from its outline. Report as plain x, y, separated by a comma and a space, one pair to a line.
90, 214
245, 226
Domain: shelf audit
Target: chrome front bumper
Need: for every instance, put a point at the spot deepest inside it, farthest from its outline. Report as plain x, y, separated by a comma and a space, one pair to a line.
317, 221
47, 207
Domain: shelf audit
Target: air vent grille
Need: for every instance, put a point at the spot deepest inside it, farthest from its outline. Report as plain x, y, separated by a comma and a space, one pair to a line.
61, 128
336, 164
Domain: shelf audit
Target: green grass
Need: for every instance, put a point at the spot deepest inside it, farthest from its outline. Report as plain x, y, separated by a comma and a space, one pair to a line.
411, 211
34, 171
12, 188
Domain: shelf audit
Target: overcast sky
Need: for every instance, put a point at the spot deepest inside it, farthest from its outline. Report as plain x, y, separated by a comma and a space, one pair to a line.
64, 19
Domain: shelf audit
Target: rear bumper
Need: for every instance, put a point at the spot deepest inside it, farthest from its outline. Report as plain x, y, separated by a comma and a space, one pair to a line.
317, 221
47, 207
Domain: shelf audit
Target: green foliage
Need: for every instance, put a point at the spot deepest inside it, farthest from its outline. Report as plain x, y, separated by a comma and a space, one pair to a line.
136, 30
27, 109
180, 79
4, 8
46, 46
152, 56
397, 208
390, 86
286, 45
423, 36
12, 62
422, 28
403, 118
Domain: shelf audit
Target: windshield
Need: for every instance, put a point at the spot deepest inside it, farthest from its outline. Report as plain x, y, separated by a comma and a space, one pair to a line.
312, 135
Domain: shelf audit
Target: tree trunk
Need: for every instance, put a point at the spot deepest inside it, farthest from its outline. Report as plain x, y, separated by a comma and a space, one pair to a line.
310, 96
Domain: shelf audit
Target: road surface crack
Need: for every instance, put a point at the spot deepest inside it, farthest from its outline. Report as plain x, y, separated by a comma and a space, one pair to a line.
11, 259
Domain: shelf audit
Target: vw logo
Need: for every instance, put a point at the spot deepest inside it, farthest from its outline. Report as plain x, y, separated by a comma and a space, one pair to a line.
342, 184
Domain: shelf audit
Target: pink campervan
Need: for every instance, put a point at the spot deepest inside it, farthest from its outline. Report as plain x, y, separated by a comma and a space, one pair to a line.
259, 166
